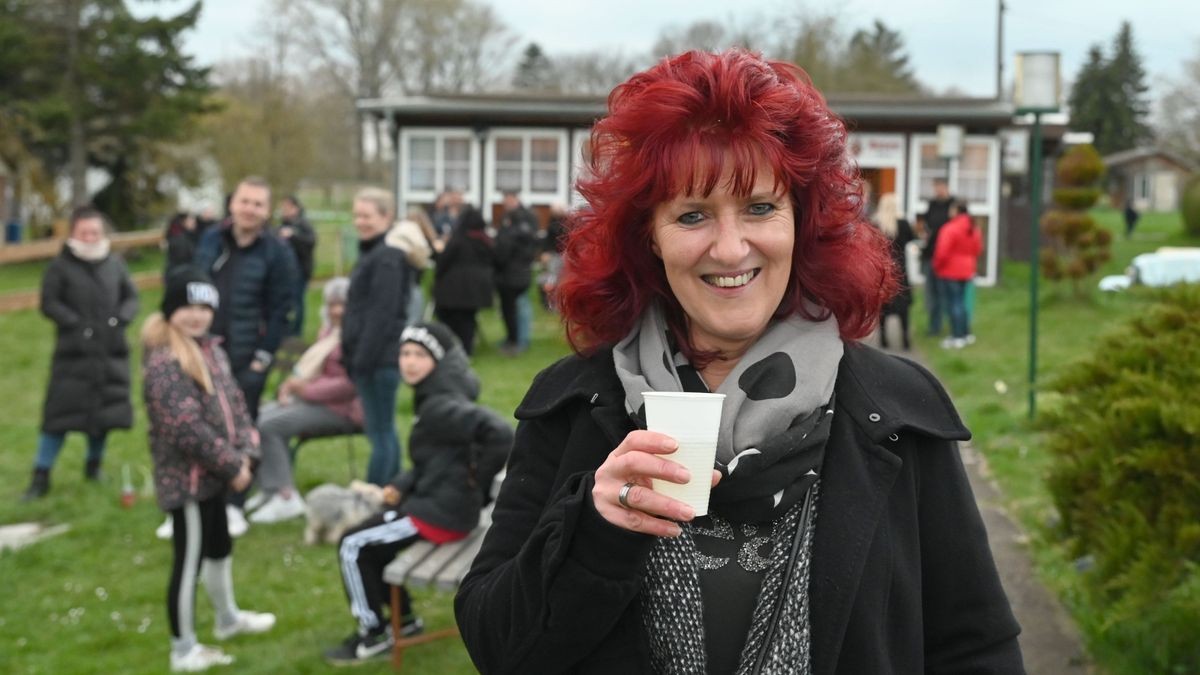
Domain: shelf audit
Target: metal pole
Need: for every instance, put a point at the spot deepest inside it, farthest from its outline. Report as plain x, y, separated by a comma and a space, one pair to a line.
1000, 51
1035, 216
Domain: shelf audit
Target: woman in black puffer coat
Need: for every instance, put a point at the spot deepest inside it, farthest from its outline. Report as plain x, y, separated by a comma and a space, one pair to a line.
464, 282
88, 294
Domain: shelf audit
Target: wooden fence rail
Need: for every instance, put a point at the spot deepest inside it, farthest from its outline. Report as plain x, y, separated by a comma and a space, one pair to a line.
48, 248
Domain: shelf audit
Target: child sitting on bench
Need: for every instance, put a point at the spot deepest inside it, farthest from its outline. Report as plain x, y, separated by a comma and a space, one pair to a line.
456, 447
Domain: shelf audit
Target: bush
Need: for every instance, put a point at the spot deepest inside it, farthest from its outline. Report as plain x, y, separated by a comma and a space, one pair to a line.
1074, 244
1189, 206
1125, 477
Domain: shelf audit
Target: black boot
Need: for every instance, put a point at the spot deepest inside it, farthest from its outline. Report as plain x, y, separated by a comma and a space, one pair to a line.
39, 486
91, 470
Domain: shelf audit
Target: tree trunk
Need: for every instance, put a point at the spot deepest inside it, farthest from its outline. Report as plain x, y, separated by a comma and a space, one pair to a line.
77, 151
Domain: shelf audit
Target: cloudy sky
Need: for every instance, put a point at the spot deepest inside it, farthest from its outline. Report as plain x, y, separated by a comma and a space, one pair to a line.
950, 42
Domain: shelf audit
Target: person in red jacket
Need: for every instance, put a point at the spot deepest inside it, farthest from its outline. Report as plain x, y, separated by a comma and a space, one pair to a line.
954, 260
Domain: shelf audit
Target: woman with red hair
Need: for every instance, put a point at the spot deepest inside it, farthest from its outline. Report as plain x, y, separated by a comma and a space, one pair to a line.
723, 250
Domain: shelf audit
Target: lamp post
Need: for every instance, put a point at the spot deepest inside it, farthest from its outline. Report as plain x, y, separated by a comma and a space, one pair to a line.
1036, 92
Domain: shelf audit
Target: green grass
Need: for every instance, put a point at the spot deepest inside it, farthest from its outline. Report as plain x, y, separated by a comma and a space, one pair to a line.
92, 600
1068, 327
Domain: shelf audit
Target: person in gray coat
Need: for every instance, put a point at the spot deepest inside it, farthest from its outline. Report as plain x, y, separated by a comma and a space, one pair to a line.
88, 294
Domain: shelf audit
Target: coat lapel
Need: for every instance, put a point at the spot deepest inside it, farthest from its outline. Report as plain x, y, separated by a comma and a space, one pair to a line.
855, 482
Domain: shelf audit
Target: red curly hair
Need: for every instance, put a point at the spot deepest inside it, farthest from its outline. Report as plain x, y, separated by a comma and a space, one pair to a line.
676, 129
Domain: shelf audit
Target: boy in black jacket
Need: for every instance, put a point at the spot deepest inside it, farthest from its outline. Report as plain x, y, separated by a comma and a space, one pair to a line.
457, 447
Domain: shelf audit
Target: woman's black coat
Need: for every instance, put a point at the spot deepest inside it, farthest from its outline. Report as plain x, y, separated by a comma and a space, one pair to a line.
464, 277
902, 578
91, 304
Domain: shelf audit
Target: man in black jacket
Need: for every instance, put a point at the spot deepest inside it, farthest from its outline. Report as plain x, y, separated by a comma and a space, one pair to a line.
928, 225
516, 248
256, 276
295, 229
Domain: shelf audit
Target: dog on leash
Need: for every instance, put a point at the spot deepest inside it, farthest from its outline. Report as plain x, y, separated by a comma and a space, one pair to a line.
333, 509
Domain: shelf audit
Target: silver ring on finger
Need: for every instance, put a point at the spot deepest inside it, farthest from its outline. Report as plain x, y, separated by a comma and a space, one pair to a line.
623, 495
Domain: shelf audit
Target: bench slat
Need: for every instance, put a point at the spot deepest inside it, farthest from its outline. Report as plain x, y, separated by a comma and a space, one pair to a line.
452, 575
398, 570
429, 570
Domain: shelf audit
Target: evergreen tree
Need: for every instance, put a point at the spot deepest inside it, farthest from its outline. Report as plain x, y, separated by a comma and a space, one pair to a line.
876, 62
535, 72
1108, 97
101, 88
1129, 79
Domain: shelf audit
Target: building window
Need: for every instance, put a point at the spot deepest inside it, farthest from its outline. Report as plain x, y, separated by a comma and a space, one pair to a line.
543, 170
973, 172
456, 164
422, 163
510, 158
529, 162
438, 160
932, 167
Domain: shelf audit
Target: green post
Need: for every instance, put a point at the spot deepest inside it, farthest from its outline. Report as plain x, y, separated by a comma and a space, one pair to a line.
1035, 216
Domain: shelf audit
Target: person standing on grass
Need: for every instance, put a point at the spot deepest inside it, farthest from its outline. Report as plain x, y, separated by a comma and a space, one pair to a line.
376, 313
88, 294
899, 232
256, 275
516, 249
295, 229
201, 443
928, 226
463, 281
955, 262
457, 448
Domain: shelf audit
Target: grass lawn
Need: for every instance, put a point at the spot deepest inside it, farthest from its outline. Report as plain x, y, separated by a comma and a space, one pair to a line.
92, 600
988, 382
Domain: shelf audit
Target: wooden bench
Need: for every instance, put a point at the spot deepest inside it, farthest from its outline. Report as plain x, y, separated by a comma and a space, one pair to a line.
438, 566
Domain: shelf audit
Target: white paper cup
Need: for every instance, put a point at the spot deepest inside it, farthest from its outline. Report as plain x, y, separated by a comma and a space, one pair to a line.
694, 421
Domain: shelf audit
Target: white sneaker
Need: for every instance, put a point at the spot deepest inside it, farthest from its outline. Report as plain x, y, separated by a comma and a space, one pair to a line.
167, 529
959, 343
256, 500
247, 623
236, 521
279, 508
948, 343
970, 339
200, 657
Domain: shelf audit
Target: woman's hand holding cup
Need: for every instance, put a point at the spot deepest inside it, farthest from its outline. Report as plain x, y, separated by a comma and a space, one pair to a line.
641, 457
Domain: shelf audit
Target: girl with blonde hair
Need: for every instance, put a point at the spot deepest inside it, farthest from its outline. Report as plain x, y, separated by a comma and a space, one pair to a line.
201, 442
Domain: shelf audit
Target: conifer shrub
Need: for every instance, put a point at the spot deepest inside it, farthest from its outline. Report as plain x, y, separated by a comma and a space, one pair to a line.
1125, 478
1189, 205
1075, 245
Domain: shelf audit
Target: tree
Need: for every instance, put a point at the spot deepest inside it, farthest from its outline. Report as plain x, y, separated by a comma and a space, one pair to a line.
453, 46
535, 72
1178, 119
593, 73
103, 89
875, 61
869, 61
1108, 96
1075, 246
263, 129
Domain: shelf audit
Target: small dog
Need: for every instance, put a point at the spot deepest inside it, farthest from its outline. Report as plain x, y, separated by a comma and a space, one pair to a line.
333, 509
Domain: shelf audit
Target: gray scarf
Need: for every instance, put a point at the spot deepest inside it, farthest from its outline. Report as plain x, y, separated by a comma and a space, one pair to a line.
777, 385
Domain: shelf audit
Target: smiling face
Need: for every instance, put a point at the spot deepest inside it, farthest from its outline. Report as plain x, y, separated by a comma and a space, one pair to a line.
192, 320
416, 363
88, 230
369, 220
249, 208
728, 259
